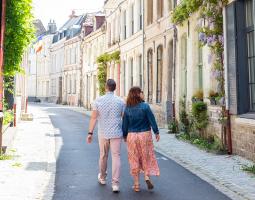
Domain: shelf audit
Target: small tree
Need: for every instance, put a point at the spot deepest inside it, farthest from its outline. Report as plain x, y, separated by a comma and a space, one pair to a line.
103, 61
200, 116
183, 115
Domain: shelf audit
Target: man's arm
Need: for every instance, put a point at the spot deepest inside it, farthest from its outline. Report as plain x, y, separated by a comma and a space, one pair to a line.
93, 121
92, 124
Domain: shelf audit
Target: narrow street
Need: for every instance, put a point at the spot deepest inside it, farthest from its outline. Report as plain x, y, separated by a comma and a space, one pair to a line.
77, 168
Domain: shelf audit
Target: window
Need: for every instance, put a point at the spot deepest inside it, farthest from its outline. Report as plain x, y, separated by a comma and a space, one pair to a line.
131, 72
140, 15
125, 24
124, 77
150, 75
140, 71
175, 3
249, 12
159, 73
160, 9
200, 67
74, 84
170, 5
53, 86
183, 79
70, 84
132, 20
149, 12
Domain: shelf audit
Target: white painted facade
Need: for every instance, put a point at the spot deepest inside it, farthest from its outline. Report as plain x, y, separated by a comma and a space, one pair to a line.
56, 68
43, 63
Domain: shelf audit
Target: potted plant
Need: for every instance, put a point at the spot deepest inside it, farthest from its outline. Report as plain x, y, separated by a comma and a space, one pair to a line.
198, 96
173, 126
214, 97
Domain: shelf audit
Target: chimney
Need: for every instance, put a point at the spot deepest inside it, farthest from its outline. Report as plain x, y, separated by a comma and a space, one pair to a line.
72, 14
99, 21
87, 29
52, 27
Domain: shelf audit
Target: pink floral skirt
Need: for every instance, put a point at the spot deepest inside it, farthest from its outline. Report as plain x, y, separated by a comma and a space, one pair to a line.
141, 155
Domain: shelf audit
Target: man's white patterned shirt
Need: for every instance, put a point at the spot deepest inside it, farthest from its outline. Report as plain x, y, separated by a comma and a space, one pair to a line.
109, 108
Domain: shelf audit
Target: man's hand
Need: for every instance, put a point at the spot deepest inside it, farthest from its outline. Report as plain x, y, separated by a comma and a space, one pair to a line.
89, 138
157, 137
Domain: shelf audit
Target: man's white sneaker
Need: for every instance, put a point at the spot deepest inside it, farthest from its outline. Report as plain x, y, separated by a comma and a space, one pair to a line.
100, 180
115, 188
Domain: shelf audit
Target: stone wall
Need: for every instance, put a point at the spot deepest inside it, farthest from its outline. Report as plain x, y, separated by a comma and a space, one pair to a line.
243, 137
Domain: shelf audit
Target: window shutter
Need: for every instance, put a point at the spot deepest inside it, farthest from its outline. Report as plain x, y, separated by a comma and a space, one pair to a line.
242, 65
231, 57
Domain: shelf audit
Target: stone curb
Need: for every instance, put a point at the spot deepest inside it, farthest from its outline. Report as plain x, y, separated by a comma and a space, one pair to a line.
227, 188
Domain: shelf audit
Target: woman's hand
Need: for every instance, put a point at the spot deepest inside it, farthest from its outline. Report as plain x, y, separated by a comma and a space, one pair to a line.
89, 139
157, 137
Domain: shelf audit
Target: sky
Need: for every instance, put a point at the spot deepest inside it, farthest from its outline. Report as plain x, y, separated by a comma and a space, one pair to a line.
59, 10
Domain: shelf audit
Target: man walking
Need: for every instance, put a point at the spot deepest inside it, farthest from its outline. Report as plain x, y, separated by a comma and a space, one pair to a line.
108, 110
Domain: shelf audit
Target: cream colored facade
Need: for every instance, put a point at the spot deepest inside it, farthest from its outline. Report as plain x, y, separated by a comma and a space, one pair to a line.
125, 33
43, 62
93, 46
72, 71
158, 58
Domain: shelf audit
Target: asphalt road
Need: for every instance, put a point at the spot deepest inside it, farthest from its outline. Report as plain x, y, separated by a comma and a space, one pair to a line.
77, 168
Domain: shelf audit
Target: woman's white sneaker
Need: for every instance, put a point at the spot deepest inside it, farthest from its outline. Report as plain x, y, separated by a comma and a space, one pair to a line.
115, 188
100, 180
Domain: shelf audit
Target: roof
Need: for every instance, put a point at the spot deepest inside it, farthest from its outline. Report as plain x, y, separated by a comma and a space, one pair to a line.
71, 28
40, 29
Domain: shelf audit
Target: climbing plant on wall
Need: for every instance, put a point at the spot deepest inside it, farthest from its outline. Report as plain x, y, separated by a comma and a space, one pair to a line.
210, 30
103, 61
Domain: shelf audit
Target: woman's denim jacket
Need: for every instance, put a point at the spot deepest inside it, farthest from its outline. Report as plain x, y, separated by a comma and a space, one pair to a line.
138, 118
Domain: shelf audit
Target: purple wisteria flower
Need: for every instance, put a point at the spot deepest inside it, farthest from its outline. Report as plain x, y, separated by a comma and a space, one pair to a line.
221, 39
202, 37
216, 74
210, 40
209, 58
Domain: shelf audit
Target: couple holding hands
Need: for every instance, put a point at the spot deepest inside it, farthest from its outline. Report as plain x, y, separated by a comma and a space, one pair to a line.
132, 121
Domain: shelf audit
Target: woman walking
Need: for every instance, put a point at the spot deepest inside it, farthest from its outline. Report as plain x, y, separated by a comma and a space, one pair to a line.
137, 123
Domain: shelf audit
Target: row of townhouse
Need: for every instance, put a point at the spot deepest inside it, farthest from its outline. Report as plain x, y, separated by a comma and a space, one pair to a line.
168, 62
164, 59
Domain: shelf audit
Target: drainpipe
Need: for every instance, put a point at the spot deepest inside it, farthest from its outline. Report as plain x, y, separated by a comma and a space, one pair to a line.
3, 15
81, 71
143, 35
174, 73
228, 126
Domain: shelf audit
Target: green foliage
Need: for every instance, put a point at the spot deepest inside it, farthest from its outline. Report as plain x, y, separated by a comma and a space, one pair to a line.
18, 35
183, 11
183, 116
199, 115
6, 157
173, 126
8, 117
103, 61
211, 144
249, 168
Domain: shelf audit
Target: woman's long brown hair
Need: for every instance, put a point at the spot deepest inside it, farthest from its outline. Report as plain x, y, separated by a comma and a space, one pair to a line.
134, 97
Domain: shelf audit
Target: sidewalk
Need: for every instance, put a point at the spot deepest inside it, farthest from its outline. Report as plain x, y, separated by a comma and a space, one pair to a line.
30, 175
222, 171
